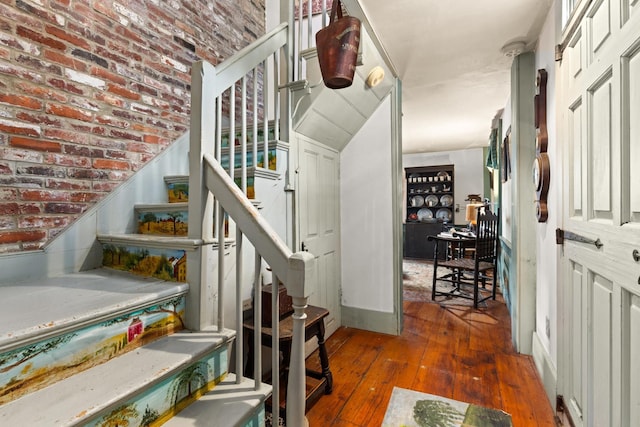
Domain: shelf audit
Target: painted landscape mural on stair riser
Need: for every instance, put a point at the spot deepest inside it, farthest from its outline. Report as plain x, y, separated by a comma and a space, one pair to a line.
164, 264
43, 363
160, 403
171, 223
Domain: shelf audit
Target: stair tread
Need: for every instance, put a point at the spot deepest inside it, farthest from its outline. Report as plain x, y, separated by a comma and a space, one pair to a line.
175, 206
78, 398
228, 404
50, 306
151, 238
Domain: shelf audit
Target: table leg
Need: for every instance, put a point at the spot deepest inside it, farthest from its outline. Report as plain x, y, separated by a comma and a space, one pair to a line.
324, 359
248, 369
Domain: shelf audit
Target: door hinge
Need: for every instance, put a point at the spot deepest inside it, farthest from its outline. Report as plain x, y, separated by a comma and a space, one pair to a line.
562, 235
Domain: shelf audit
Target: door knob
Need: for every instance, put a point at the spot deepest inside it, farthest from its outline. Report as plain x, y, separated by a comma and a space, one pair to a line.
304, 247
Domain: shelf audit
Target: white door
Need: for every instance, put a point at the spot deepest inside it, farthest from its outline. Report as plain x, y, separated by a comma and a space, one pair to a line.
318, 220
599, 126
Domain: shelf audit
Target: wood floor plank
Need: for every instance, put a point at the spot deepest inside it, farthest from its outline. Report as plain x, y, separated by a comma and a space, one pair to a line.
447, 350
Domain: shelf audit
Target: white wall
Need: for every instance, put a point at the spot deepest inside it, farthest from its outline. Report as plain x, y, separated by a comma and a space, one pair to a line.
366, 208
547, 250
469, 172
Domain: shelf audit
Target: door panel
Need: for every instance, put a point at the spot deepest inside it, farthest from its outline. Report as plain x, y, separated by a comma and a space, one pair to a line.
575, 127
318, 219
576, 392
600, 147
632, 337
600, 17
599, 106
631, 109
602, 369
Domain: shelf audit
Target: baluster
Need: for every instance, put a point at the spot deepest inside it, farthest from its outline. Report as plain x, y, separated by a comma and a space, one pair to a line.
275, 347
257, 323
239, 315
300, 48
232, 131
217, 150
243, 140
221, 240
265, 113
254, 143
324, 13
309, 23
276, 97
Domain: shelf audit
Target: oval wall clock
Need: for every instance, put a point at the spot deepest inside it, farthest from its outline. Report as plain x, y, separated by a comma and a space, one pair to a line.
541, 177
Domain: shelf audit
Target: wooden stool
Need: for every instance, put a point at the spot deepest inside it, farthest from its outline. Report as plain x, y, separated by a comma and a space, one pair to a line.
317, 383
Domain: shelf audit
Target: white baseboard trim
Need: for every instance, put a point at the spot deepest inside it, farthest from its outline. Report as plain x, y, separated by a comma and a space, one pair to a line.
546, 368
369, 320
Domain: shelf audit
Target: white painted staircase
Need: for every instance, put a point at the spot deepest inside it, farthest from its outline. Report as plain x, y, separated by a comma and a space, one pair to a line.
96, 348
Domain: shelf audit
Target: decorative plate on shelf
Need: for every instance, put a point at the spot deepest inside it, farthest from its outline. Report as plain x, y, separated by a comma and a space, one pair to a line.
417, 201
443, 176
446, 200
444, 214
431, 200
424, 214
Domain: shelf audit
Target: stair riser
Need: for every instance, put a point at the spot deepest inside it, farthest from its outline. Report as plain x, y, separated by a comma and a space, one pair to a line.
164, 264
38, 365
178, 192
169, 223
224, 159
159, 403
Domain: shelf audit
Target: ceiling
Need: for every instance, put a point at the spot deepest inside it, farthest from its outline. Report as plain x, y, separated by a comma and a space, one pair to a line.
450, 57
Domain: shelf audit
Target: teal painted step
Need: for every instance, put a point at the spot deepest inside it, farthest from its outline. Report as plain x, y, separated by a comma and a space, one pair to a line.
61, 326
229, 404
144, 387
271, 154
249, 134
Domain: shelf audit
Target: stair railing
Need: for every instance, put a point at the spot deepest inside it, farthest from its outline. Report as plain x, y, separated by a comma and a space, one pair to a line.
215, 92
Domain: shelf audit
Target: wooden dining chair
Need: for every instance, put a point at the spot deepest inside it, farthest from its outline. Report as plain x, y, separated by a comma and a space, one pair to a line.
464, 272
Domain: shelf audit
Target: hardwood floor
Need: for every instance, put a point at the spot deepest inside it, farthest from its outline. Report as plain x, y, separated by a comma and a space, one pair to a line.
455, 352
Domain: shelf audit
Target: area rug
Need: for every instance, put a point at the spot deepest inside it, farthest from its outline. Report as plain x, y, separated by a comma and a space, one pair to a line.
417, 273
408, 408
417, 280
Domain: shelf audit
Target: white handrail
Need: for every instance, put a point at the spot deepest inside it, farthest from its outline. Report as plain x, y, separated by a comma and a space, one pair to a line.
257, 229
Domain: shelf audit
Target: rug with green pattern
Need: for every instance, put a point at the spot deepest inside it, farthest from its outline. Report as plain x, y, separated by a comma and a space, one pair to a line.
408, 408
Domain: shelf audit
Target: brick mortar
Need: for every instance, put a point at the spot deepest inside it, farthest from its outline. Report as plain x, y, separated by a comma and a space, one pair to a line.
93, 90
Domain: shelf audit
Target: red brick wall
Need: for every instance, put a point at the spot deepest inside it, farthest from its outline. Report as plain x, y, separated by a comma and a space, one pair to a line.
90, 91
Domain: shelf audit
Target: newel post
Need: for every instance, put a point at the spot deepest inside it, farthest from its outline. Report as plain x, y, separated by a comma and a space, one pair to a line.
300, 284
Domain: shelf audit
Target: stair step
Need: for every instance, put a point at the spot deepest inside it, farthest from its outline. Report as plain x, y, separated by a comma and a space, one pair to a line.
177, 188
224, 160
229, 404
163, 219
34, 310
151, 241
154, 381
58, 327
